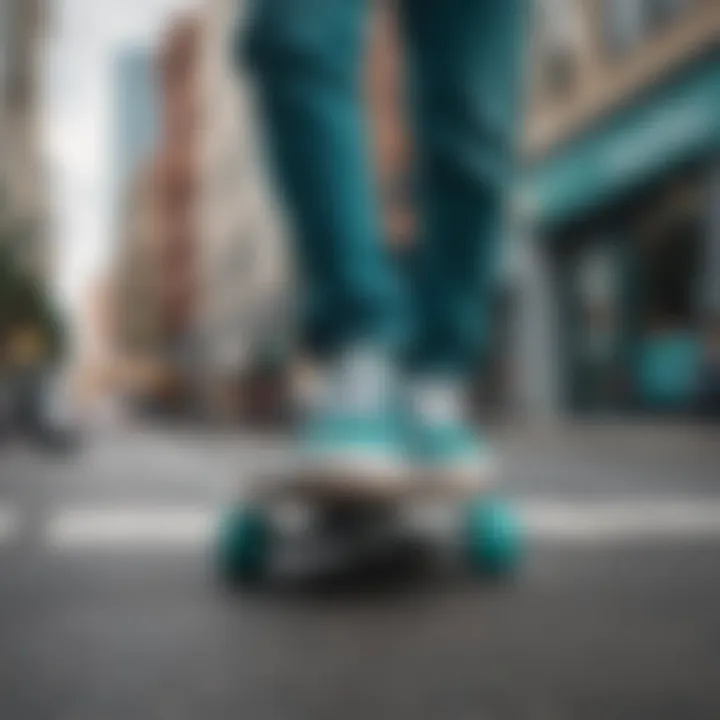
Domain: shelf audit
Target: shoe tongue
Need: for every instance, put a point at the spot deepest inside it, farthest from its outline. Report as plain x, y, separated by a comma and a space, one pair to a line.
439, 403
360, 383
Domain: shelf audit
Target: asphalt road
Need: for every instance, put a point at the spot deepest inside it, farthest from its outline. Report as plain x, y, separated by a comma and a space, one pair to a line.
109, 608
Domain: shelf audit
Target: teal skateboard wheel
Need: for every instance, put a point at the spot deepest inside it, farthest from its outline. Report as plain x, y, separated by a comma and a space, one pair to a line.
493, 538
244, 542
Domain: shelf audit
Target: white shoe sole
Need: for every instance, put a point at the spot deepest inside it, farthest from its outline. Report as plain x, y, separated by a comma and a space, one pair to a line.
352, 476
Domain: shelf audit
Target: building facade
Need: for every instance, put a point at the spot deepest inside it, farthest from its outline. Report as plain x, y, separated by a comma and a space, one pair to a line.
158, 125
23, 191
136, 335
242, 319
620, 260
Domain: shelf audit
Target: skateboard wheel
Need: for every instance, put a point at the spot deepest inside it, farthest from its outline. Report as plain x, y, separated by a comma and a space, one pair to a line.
244, 545
493, 539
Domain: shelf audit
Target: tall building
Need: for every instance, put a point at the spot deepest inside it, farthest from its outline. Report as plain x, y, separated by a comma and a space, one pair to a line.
136, 120
177, 186
243, 268
136, 334
622, 143
159, 124
23, 193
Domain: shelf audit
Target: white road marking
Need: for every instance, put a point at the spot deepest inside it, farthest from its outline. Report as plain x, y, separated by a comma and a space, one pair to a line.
582, 523
9, 524
100, 528
622, 520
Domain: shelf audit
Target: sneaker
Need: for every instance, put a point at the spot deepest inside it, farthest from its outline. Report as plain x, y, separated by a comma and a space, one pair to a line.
442, 446
351, 441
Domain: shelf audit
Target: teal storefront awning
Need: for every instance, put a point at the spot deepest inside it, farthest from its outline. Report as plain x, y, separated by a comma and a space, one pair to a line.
678, 122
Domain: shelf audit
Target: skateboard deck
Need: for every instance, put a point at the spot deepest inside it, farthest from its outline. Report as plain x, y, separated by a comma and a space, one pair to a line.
287, 527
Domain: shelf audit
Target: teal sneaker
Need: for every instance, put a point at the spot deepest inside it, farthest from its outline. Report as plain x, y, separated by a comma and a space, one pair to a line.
443, 448
352, 441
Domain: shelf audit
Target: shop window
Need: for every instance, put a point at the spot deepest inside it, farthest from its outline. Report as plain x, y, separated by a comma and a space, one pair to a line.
597, 318
671, 240
670, 277
671, 255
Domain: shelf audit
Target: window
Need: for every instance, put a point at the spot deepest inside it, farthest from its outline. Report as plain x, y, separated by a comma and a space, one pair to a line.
630, 22
559, 37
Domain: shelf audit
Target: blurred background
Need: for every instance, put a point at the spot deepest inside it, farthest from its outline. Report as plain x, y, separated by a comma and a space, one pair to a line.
146, 326
144, 254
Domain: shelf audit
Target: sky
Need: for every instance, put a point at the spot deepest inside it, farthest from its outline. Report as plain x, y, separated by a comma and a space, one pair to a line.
84, 37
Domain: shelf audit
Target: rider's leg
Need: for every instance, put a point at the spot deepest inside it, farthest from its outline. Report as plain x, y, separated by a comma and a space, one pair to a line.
465, 73
308, 59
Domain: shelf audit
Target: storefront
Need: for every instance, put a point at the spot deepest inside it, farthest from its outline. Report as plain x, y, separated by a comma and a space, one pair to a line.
625, 218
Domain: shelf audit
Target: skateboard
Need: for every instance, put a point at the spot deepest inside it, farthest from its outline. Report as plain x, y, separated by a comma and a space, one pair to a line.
283, 528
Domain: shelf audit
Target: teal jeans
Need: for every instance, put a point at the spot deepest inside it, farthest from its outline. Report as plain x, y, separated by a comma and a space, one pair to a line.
464, 82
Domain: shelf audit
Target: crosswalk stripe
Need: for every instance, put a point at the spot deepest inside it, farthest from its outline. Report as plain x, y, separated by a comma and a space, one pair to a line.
75, 528
621, 521
565, 522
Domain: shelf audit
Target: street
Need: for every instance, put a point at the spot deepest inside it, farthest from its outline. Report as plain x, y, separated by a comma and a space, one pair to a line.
109, 607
